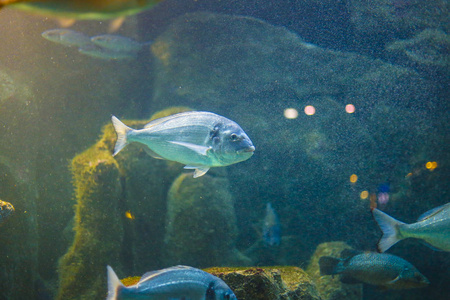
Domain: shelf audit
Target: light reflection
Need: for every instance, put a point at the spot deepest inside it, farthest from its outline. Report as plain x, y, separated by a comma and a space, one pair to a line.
364, 195
353, 178
350, 108
310, 110
431, 165
290, 113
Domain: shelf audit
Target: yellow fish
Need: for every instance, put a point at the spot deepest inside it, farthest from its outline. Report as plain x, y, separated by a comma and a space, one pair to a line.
82, 9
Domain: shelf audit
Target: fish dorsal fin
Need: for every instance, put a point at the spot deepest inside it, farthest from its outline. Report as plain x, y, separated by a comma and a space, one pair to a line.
431, 212
202, 150
164, 119
199, 170
153, 274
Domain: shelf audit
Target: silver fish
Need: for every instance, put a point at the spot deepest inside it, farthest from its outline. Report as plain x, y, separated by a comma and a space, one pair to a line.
105, 54
117, 43
180, 282
67, 37
200, 140
432, 227
6, 210
381, 269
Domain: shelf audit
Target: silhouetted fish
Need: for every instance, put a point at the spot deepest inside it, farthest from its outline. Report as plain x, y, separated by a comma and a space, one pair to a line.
271, 227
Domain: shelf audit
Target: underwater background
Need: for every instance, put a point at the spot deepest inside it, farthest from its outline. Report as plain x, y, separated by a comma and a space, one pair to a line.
77, 208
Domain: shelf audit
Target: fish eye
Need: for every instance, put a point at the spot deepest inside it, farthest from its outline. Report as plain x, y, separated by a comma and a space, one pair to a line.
233, 137
227, 296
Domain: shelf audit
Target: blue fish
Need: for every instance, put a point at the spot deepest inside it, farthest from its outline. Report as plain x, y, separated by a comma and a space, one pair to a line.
271, 227
198, 139
175, 283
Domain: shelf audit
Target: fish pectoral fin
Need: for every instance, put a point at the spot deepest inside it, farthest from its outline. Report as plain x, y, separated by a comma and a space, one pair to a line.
152, 153
394, 280
199, 170
202, 150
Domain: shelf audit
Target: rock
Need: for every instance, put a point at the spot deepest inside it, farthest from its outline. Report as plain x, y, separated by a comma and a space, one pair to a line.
201, 223
384, 19
268, 283
98, 230
330, 287
427, 50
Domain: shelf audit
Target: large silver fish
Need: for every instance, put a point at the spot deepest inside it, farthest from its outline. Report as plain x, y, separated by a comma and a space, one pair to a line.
200, 140
180, 282
381, 269
6, 210
82, 9
432, 227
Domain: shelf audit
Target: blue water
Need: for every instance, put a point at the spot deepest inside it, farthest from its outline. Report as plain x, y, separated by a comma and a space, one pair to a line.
248, 61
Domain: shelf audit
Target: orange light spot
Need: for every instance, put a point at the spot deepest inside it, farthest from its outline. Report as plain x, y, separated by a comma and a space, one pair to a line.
310, 110
350, 108
353, 178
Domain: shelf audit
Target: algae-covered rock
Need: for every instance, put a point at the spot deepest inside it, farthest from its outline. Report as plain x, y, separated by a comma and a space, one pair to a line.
268, 283
98, 230
428, 50
330, 287
201, 222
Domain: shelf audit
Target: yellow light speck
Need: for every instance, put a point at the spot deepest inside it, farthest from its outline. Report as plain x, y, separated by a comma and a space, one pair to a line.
290, 113
129, 215
364, 195
353, 178
431, 165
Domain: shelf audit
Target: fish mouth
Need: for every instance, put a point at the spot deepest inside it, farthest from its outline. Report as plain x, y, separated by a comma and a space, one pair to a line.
249, 149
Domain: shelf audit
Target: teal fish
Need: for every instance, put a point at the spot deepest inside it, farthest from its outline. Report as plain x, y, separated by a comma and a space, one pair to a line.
118, 43
82, 9
67, 37
6, 210
180, 282
200, 140
381, 269
432, 227
105, 54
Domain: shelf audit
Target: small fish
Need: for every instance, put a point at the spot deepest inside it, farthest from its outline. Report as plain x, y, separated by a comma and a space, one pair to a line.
117, 43
67, 37
179, 282
82, 9
381, 269
105, 54
6, 210
271, 227
200, 140
432, 227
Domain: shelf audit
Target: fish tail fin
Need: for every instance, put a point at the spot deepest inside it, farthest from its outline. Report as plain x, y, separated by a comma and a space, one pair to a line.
330, 265
389, 226
122, 132
114, 284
